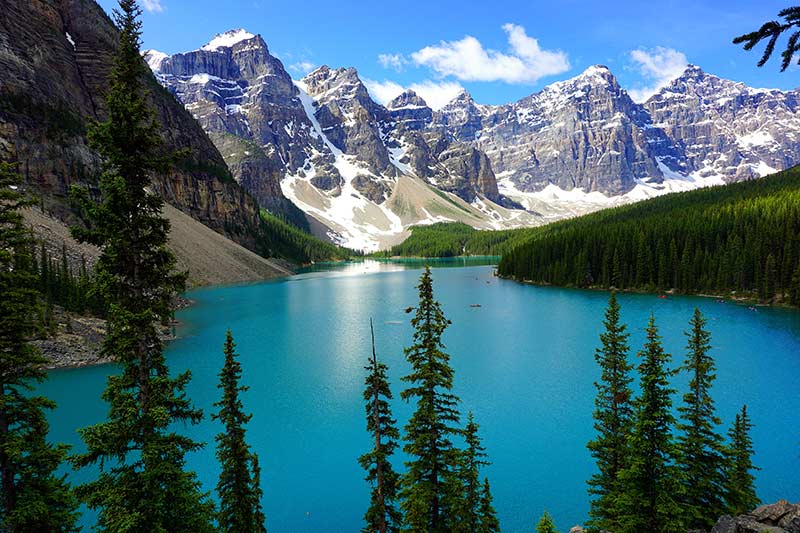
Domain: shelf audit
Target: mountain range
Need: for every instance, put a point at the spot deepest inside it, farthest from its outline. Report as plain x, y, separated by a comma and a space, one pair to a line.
362, 172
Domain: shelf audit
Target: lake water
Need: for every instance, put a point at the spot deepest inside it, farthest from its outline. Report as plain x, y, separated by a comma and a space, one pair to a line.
524, 365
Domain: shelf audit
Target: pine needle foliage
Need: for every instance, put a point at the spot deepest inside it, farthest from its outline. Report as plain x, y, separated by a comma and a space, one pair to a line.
382, 516
430, 488
32, 496
238, 488
143, 484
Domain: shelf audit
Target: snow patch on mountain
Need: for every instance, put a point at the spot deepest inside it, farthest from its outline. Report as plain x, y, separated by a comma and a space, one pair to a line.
227, 39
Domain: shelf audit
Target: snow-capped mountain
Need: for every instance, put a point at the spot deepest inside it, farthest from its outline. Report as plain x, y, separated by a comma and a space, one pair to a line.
321, 142
367, 172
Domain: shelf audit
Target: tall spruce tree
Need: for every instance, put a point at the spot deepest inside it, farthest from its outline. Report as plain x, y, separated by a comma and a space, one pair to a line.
649, 487
701, 459
740, 492
382, 516
238, 488
430, 488
473, 457
142, 484
487, 516
32, 496
613, 415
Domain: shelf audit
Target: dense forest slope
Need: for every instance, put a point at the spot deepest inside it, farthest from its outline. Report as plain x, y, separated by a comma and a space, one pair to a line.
741, 239
451, 239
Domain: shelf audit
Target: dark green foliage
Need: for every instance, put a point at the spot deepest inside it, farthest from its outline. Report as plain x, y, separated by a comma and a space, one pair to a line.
613, 415
282, 239
142, 484
32, 496
382, 515
61, 123
473, 457
546, 524
700, 457
238, 488
487, 517
77, 292
430, 488
771, 31
649, 487
714, 241
740, 492
452, 239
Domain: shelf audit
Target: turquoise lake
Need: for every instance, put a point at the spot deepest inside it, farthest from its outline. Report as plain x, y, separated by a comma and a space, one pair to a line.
524, 364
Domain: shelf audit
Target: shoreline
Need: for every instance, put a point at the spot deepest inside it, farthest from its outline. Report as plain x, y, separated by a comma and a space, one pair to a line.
744, 300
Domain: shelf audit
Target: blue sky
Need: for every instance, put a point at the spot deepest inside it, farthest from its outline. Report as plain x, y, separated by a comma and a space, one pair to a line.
499, 50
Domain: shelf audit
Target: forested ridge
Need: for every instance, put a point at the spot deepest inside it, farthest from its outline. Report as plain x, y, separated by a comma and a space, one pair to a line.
453, 239
742, 238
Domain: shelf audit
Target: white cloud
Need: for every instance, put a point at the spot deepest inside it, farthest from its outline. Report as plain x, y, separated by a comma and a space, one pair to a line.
302, 67
436, 94
658, 66
153, 6
468, 60
393, 61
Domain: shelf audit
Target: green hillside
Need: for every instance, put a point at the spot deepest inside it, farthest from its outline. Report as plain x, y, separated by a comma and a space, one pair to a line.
289, 242
742, 238
451, 239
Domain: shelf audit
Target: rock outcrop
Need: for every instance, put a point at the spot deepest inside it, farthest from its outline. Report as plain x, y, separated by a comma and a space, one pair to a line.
780, 517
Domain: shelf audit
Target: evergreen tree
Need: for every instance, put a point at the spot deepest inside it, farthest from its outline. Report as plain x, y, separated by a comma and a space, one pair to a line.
612, 415
649, 488
32, 496
239, 495
487, 517
546, 524
771, 31
701, 459
473, 457
430, 488
740, 492
142, 484
382, 515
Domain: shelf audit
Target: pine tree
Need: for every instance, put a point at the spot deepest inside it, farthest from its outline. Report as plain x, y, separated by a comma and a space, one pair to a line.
239, 495
546, 524
740, 492
701, 459
649, 488
487, 516
613, 414
143, 484
430, 487
382, 516
473, 457
32, 496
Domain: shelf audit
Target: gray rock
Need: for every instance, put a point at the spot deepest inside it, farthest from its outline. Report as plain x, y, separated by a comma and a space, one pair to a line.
779, 517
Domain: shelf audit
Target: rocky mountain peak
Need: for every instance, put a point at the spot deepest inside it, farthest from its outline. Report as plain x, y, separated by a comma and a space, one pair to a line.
408, 99
228, 39
154, 59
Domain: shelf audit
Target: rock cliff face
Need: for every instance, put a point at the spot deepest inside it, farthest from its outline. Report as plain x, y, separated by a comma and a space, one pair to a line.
581, 133
727, 129
586, 133
55, 56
